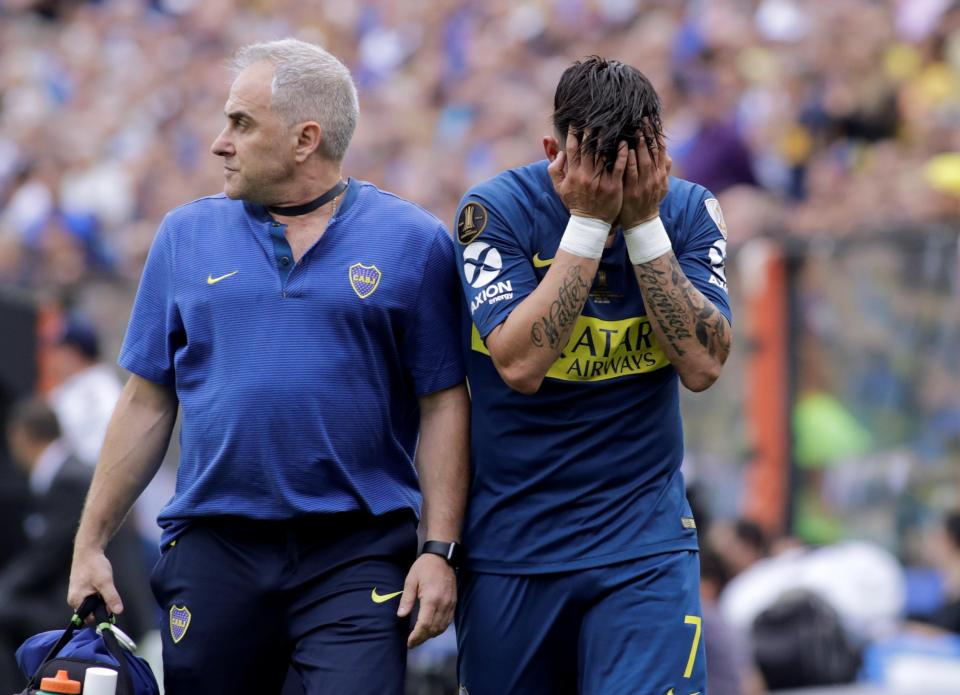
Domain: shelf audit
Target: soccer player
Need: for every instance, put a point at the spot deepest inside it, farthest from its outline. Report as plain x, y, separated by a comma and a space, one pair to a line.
593, 293
307, 328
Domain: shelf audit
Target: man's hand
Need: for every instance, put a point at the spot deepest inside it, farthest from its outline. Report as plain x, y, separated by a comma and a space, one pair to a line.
92, 573
583, 182
432, 581
646, 179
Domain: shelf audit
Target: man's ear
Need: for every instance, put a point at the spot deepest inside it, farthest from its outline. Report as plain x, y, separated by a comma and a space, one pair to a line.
309, 136
551, 147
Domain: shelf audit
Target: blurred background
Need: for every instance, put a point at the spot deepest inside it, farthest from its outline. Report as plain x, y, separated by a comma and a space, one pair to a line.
824, 464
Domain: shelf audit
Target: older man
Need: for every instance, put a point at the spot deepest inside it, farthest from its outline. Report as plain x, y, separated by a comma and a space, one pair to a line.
306, 325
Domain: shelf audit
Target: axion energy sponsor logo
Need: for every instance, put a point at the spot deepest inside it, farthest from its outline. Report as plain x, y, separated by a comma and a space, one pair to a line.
481, 264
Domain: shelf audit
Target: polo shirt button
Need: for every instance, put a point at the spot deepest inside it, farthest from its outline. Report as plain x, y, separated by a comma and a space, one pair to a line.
285, 261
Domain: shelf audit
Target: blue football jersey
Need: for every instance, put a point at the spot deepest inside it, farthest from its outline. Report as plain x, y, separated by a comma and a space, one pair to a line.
298, 382
586, 471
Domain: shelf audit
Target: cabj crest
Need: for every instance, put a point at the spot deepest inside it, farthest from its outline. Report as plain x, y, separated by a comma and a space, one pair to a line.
179, 622
364, 279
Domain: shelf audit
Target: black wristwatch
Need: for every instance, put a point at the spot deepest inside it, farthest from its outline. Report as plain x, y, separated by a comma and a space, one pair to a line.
451, 552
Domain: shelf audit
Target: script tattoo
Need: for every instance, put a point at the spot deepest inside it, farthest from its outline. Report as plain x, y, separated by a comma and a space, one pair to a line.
673, 300
554, 328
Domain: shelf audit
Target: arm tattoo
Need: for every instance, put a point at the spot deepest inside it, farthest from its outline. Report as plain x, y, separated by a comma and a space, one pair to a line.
554, 328
663, 302
676, 304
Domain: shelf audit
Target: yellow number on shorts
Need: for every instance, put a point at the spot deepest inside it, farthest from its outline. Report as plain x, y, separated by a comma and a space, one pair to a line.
695, 621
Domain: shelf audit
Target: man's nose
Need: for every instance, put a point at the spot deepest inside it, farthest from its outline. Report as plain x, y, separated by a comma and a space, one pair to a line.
222, 147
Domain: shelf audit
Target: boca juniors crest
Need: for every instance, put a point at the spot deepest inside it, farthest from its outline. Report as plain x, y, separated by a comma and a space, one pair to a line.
364, 279
179, 622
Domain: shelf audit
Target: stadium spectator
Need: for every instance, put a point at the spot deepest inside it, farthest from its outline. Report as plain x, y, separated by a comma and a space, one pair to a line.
740, 544
308, 336
946, 556
33, 583
85, 392
87, 389
730, 670
862, 581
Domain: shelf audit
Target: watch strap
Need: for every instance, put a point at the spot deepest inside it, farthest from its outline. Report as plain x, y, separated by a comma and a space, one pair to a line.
452, 552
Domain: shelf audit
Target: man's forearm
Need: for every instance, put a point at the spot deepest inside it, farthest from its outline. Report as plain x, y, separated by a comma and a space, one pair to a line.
692, 332
443, 461
136, 440
531, 339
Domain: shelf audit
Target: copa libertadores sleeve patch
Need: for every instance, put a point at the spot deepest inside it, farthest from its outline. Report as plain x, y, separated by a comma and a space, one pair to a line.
471, 223
713, 207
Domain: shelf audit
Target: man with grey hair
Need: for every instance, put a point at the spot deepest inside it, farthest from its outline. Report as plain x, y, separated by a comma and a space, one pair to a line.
306, 327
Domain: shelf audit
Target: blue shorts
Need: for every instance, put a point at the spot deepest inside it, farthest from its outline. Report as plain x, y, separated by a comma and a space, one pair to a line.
631, 628
243, 601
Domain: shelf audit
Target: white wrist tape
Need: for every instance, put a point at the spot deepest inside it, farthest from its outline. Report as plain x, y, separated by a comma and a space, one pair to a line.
585, 237
646, 241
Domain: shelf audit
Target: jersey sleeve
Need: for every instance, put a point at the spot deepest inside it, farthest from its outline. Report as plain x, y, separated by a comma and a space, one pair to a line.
155, 331
495, 272
431, 345
704, 253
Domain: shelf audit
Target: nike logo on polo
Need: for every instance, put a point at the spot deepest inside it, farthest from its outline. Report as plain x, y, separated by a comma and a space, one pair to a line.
541, 262
213, 281
380, 598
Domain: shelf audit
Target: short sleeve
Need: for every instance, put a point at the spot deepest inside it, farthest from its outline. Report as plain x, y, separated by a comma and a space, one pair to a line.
704, 254
155, 331
495, 272
431, 345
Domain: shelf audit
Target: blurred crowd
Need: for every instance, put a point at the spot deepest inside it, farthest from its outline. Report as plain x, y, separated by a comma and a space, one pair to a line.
779, 614
807, 118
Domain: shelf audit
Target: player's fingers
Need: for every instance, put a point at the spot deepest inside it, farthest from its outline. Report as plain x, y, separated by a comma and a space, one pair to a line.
653, 146
663, 159
590, 155
631, 175
590, 147
556, 169
621, 162
409, 596
572, 147
645, 162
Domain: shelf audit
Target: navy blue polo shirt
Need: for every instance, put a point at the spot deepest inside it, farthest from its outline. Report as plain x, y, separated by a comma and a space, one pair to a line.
298, 382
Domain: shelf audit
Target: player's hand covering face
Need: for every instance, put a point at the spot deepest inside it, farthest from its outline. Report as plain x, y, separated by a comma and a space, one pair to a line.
646, 178
582, 181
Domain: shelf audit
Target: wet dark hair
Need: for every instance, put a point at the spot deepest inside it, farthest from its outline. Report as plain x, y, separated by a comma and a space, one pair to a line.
608, 98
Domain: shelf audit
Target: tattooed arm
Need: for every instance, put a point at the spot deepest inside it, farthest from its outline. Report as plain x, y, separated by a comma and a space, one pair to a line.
525, 345
692, 332
531, 339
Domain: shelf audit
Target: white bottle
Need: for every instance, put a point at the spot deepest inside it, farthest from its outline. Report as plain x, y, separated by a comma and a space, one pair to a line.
100, 681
